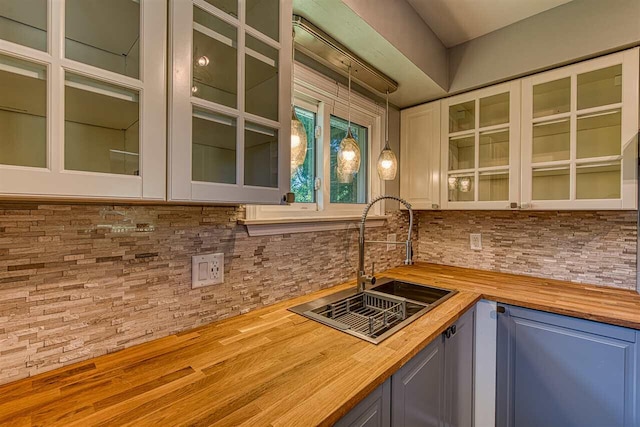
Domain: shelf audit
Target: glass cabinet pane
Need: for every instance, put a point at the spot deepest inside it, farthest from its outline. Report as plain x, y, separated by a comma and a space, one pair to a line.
23, 112
551, 141
552, 97
598, 181
105, 34
261, 79
24, 22
551, 184
494, 110
461, 188
493, 186
599, 134
215, 54
260, 156
101, 130
494, 148
462, 117
213, 147
462, 153
227, 6
600, 87
264, 16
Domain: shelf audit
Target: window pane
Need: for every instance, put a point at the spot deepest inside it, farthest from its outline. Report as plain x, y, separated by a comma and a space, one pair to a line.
23, 110
101, 131
599, 134
302, 179
598, 181
552, 97
494, 148
264, 16
227, 6
261, 81
215, 54
600, 87
260, 156
356, 190
494, 110
24, 22
493, 186
551, 141
213, 147
462, 116
105, 34
551, 184
461, 188
462, 152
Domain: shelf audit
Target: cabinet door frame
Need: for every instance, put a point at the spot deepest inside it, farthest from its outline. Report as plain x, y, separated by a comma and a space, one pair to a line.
421, 188
513, 88
56, 181
181, 187
629, 127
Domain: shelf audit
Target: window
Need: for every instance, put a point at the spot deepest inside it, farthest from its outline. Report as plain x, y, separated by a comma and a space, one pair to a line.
321, 106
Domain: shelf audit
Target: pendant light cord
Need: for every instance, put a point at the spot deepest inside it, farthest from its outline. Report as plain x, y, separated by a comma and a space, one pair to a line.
293, 60
349, 102
386, 127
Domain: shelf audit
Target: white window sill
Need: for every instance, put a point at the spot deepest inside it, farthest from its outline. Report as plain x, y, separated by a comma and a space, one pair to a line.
269, 227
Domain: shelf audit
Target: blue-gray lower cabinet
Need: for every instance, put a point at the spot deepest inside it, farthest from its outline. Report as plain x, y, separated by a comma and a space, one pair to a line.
559, 371
373, 411
435, 388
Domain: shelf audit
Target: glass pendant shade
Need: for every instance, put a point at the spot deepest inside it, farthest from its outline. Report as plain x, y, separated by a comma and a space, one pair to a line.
387, 164
348, 158
298, 142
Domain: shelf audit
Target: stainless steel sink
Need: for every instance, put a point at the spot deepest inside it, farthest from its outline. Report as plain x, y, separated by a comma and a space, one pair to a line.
378, 312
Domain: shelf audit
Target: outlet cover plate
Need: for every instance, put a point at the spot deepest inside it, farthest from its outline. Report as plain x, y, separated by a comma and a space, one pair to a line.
476, 241
206, 270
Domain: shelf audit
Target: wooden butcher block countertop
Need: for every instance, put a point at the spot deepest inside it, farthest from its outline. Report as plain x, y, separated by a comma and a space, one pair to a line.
272, 367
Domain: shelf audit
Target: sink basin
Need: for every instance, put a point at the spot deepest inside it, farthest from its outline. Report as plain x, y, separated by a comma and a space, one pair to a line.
376, 313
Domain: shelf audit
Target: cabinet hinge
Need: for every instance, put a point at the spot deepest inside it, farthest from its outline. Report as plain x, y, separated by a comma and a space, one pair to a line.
318, 131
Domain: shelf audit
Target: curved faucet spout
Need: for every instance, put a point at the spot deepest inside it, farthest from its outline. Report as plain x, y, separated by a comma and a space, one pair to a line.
362, 278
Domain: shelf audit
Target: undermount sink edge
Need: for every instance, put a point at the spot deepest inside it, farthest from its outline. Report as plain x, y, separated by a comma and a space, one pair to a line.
416, 299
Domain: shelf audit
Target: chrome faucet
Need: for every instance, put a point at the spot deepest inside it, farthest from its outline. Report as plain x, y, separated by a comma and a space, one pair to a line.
363, 278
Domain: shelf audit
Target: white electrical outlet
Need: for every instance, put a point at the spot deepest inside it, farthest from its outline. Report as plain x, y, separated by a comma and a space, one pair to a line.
476, 241
207, 270
391, 238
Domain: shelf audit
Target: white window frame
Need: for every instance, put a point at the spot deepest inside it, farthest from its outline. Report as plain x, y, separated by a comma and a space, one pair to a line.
325, 97
54, 179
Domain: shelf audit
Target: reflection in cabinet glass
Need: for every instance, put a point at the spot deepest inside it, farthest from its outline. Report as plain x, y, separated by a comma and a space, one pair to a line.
551, 183
24, 22
552, 98
599, 134
215, 54
227, 6
462, 152
551, 141
600, 87
263, 15
23, 113
101, 131
90, 37
260, 156
462, 117
261, 79
213, 147
461, 188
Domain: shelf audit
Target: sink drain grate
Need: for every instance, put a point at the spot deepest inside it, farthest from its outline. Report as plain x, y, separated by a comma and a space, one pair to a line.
366, 313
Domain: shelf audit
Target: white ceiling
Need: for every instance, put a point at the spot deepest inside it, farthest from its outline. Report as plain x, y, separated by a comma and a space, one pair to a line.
458, 21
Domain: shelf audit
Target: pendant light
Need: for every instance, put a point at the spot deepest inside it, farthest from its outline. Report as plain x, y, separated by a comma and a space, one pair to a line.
349, 152
298, 132
387, 161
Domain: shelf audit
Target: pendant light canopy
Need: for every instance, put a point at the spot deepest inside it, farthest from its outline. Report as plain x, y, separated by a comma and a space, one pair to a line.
349, 151
387, 161
298, 132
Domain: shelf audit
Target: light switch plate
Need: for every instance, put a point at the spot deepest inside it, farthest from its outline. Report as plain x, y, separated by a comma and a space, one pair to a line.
207, 270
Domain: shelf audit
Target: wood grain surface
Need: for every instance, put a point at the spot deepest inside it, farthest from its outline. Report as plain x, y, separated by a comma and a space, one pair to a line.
272, 367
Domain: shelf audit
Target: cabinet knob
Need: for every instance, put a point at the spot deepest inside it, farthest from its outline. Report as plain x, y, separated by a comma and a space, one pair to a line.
501, 309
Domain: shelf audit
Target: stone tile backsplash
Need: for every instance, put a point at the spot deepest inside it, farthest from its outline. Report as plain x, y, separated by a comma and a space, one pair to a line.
79, 281
580, 246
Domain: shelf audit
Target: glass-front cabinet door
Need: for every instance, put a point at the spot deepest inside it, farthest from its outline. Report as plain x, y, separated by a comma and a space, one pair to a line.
230, 100
82, 89
481, 149
580, 127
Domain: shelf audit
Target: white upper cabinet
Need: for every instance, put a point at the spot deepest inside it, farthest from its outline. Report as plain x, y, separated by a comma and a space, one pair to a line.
82, 88
229, 100
480, 146
579, 135
420, 156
